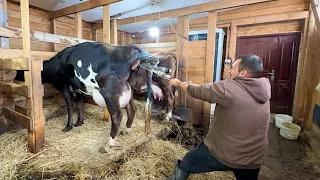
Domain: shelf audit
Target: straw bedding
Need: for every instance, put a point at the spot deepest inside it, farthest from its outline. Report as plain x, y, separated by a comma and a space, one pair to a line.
75, 154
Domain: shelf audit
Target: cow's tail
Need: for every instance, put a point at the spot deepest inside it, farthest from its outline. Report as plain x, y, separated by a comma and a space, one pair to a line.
175, 75
148, 103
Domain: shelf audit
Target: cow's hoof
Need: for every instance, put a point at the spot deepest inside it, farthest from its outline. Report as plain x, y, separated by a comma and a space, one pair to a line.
78, 123
105, 149
67, 128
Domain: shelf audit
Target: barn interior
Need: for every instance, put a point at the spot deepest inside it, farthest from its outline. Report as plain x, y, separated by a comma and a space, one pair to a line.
206, 36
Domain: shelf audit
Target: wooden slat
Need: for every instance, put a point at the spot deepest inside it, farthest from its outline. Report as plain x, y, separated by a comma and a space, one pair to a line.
106, 24
13, 64
21, 109
156, 45
91, 4
209, 71
122, 38
17, 117
40, 36
13, 88
182, 52
54, 31
211, 6
271, 18
18, 53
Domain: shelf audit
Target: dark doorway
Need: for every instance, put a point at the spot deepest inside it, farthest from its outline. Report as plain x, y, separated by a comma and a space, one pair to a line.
280, 57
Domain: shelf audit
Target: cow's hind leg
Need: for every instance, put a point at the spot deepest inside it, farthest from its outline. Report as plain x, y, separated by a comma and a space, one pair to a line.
80, 105
67, 96
131, 111
116, 116
168, 99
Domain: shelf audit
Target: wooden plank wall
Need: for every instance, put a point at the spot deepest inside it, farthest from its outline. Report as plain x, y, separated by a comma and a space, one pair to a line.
196, 73
127, 37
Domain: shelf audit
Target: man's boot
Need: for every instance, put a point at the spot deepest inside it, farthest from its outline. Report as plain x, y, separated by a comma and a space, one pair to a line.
178, 174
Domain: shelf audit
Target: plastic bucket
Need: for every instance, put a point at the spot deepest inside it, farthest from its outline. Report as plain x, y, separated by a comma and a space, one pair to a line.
281, 118
290, 130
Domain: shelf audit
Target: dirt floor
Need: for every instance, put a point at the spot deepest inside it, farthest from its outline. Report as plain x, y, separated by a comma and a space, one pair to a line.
286, 159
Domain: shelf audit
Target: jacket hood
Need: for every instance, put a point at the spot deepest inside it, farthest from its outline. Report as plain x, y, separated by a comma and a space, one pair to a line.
258, 88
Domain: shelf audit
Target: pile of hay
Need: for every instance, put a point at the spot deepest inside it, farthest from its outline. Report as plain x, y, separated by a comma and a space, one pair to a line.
157, 160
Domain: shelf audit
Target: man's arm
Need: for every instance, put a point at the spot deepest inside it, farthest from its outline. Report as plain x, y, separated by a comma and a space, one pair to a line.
211, 92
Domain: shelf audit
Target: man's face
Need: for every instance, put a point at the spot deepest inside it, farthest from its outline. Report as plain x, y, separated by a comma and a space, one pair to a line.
235, 70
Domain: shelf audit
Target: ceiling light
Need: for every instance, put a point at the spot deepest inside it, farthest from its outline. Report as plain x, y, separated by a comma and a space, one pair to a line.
154, 32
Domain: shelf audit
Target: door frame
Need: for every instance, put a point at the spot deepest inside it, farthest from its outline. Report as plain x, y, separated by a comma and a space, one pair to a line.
294, 63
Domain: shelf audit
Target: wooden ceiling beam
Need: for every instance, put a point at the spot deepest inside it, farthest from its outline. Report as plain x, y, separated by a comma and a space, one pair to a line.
90, 4
206, 7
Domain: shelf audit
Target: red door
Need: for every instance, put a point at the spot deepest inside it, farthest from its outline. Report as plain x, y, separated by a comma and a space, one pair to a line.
280, 56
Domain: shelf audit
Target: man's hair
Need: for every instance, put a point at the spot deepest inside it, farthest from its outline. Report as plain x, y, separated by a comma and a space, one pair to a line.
252, 63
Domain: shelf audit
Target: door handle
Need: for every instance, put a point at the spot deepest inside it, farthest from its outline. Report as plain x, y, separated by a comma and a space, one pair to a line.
273, 72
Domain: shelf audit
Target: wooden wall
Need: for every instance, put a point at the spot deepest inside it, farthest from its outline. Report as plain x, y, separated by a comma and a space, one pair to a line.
196, 73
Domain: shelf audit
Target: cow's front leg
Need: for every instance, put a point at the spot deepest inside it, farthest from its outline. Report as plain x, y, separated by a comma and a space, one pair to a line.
67, 97
80, 106
116, 116
131, 111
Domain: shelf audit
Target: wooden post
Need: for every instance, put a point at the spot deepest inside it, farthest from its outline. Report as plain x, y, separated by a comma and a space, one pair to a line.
182, 53
7, 75
106, 24
54, 31
114, 32
33, 80
228, 41
78, 28
302, 83
209, 70
232, 49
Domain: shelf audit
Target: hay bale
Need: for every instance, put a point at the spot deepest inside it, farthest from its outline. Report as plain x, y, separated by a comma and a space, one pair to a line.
157, 160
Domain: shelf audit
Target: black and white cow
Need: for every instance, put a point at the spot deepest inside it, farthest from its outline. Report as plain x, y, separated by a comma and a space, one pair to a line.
101, 71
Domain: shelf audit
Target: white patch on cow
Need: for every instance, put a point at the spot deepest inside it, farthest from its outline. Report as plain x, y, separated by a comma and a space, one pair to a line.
111, 141
79, 63
125, 96
143, 88
91, 85
169, 116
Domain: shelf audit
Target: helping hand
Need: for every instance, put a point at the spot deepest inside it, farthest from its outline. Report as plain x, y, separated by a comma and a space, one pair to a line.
175, 82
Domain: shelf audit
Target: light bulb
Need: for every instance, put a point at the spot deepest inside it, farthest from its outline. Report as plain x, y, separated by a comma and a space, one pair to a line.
154, 32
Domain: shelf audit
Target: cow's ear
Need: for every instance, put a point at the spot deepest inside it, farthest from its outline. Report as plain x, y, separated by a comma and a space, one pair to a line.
135, 64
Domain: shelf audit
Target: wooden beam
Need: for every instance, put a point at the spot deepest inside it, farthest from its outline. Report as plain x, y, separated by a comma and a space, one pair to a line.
18, 53
206, 7
90, 4
271, 18
106, 24
13, 88
316, 11
78, 28
12, 32
21, 109
17, 117
114, 32
182, 53
13, 64
209, 69
33, 80
232, 50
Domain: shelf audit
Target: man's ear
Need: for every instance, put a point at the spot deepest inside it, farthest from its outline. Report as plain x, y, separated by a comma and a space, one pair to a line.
135, 65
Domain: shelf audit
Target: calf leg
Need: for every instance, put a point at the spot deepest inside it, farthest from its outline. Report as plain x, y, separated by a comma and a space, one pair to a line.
131, 111
67, 97
168, 99
80, 105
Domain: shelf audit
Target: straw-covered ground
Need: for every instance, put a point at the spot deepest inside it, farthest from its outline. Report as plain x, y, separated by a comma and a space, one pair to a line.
75, 154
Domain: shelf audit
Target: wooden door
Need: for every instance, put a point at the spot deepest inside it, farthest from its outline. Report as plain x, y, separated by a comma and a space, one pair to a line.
280, 56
